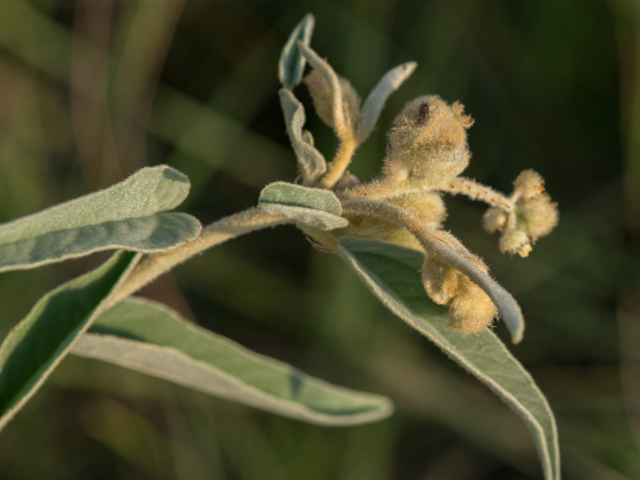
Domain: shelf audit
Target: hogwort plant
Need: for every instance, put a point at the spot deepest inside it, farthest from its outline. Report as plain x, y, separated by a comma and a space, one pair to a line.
389, 231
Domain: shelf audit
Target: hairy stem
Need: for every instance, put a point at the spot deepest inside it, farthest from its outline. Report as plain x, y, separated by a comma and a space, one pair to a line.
340, 163
446, 248
154, 265
475, 191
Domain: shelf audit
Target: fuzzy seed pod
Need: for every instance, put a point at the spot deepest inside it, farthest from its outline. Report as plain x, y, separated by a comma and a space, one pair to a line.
428, 141
540, 215
323, 101
528, 184
494, 219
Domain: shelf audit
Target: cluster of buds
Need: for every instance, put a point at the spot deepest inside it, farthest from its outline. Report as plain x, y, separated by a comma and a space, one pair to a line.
427, 153
532, 215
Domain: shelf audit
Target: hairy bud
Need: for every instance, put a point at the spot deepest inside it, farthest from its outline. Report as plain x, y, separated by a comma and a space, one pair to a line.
428, 141
528, 184
515, 240
494, 219
540, 215
323, 101
470, 308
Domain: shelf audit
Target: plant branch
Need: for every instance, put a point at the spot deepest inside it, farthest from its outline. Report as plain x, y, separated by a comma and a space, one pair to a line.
154, 265
475, 191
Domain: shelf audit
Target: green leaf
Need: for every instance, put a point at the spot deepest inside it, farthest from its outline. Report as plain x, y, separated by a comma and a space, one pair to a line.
291, 64
313, 207
310, 161
148, 337
374, 103
40, 341
124, 216
392, 273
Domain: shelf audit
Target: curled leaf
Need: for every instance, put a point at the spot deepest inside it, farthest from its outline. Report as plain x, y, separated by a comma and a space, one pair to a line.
291, 64
310, 161
374, 103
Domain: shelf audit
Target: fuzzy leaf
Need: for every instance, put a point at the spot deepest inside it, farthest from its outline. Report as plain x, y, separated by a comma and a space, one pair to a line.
291, 64
313, 207
40, 341
310, 161
150, 338
374, 103
392, 273
124, 216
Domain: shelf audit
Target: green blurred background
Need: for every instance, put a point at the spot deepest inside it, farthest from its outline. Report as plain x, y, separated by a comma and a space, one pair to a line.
91, 90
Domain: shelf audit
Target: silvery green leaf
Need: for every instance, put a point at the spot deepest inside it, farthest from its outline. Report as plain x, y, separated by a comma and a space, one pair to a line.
310, 161
392, 273
374, 103
313, 207
150, 338
291, 64
124, 216
40, 341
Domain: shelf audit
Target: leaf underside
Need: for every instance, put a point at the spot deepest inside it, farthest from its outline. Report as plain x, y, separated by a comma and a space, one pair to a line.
39, 342
392, 273
127, 216
150, 338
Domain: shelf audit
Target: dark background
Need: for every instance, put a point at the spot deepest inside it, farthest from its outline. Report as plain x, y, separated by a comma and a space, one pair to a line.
92, 90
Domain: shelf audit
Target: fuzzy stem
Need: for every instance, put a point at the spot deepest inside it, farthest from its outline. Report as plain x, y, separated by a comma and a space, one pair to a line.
154, 265
446, 248
340, 163
475, 191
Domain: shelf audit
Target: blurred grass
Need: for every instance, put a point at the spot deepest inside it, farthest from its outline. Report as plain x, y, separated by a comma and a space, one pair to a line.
92, 90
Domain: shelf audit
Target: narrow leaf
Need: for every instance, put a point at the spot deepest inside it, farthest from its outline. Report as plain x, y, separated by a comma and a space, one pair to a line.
291, 64
150, 338
39, 342
310, 161
313, 207
124, 216
374, 103
392, 273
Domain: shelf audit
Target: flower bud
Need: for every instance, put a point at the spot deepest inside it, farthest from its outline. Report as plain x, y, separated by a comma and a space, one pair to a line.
540, 215
515, 240
494, 219
428, 141
440, 281
323, 101
528, 184
471, 310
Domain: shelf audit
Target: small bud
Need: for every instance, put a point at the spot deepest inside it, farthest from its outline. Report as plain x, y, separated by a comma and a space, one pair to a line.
529, 184
440, 281
540, 215
471, 310
494, 219
515, 240
323, 101
348, 180
428, 141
